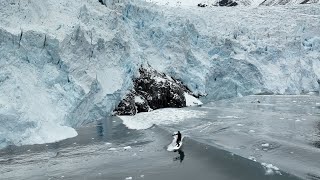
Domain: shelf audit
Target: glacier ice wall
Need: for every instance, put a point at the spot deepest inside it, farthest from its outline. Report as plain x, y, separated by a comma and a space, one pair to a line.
69, 63
251, 3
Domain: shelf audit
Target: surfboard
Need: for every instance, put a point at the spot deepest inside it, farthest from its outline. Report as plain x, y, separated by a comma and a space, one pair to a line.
173, 145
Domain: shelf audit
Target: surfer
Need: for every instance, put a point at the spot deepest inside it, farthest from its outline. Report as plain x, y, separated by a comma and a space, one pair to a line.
178, 138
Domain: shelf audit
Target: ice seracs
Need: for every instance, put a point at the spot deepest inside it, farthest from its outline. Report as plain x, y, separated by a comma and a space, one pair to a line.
230, 3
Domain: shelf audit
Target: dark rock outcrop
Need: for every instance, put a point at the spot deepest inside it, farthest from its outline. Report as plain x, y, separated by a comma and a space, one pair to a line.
202, 5
152, 90
227, 3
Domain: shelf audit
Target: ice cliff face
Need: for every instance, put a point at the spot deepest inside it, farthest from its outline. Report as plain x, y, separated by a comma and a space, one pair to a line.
68, 63
211, 3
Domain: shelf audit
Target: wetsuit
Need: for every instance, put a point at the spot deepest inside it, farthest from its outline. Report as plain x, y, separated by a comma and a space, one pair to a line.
178, 138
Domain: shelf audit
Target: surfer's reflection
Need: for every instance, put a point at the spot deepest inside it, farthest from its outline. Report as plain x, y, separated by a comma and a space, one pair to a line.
317, 142
181, 155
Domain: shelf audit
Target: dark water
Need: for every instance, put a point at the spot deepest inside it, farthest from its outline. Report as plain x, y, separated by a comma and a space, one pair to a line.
279, 130
109, 150
107, 130
201, 161
90, 156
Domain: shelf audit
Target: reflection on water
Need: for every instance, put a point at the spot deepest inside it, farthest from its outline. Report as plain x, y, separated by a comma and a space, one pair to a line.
104, 129
180, 157
316, 143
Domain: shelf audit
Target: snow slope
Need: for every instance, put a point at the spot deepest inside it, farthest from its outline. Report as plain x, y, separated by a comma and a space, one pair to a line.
69, 63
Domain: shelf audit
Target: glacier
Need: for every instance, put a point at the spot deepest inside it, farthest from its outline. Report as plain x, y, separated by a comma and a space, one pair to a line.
251, 3
64, 64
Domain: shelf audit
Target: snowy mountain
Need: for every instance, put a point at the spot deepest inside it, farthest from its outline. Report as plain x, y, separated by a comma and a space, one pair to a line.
68, 63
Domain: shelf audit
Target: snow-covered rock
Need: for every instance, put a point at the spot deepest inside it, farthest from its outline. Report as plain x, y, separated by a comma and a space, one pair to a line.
154, 90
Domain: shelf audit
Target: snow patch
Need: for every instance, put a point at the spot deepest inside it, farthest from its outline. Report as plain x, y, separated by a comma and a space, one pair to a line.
192, 101
138, 99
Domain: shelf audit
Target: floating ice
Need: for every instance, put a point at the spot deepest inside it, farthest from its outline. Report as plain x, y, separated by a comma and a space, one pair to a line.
252, 158
271, 169
161, 116
265, 145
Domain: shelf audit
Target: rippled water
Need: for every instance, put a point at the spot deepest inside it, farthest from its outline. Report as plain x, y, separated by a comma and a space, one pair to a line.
276, 135
282, 130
